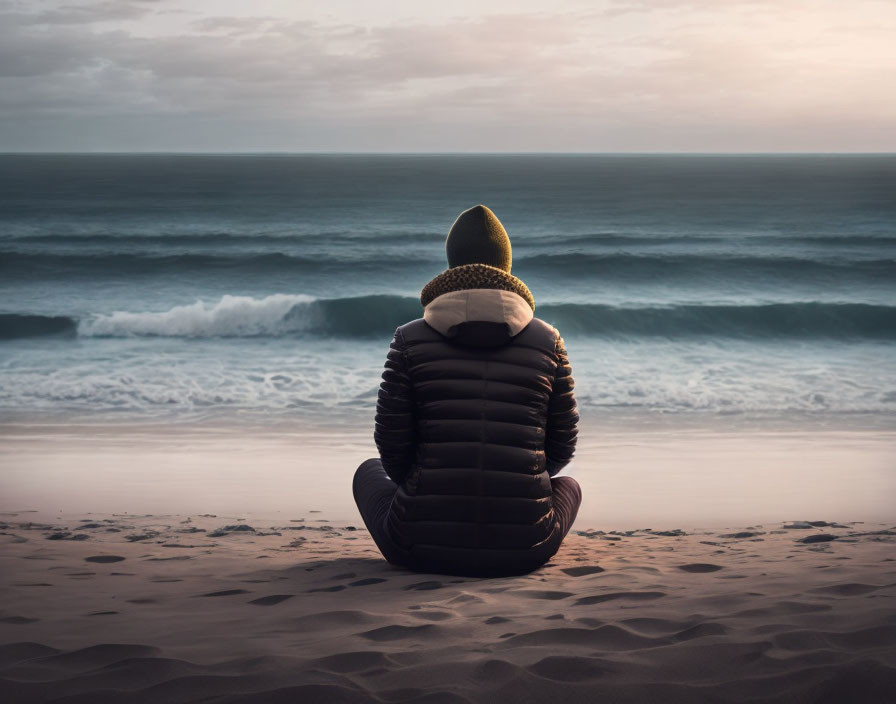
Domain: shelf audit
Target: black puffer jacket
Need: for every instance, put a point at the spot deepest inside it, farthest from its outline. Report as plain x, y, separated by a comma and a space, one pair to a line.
475, 413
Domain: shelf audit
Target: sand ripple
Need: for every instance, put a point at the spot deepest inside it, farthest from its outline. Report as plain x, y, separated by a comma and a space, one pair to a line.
664, 616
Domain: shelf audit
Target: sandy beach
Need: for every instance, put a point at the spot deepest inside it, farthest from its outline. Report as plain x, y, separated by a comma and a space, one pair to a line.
214, 608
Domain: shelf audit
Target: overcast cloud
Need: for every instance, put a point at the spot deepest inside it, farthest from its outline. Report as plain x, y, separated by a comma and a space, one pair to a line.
647, 75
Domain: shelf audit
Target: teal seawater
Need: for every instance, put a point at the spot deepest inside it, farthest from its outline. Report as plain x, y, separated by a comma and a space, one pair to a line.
172, 286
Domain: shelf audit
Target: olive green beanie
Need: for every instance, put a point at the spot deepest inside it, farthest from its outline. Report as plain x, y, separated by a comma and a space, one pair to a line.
478, 237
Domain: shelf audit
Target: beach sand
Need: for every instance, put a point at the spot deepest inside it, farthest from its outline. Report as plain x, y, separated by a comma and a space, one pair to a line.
186, 608
646, 474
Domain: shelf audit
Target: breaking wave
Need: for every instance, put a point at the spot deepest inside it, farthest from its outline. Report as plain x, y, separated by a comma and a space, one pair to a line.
283, 315
273, 316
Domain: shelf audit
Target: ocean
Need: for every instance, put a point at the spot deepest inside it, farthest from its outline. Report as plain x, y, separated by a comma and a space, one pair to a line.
730, 291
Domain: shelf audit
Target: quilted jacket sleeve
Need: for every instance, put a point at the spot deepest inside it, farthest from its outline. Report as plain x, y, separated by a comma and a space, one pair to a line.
394, 432
563, 417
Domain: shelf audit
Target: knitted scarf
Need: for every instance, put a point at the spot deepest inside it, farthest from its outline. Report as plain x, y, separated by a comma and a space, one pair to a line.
467, 276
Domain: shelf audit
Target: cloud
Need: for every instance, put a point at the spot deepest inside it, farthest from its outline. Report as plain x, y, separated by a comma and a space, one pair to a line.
109, 10
578, 79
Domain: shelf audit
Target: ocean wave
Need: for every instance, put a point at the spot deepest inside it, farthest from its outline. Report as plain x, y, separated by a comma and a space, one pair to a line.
638, 267
283, 315
273, 316
765, 321
54, 265
118, 241
15, 326
617, 266
739, 239
232, 316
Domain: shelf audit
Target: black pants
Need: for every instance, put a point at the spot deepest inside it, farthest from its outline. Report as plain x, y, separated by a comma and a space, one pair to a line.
374, 490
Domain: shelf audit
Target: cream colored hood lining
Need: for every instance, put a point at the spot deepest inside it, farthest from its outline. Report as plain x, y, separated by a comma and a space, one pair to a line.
478, 304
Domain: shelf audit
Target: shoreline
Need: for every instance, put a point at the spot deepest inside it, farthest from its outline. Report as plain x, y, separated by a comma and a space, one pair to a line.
351, 418
670, 478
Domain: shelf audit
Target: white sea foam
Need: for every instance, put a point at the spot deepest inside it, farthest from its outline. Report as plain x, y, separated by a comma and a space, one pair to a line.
336, 378
232, 316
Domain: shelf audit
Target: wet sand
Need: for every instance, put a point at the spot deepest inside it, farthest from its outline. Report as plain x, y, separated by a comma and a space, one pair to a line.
637, 476
185, 608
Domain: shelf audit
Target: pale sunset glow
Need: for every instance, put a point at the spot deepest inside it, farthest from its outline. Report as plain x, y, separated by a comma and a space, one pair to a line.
650, 75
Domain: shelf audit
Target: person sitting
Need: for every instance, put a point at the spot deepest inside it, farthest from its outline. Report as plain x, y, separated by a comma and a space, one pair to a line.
475, 417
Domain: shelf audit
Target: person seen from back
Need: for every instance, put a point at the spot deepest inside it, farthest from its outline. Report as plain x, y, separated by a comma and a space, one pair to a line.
475, 418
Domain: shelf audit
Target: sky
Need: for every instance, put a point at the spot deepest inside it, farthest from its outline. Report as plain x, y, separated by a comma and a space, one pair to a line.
468, 76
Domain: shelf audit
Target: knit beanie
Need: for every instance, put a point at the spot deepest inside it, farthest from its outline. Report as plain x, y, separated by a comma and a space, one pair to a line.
478, 237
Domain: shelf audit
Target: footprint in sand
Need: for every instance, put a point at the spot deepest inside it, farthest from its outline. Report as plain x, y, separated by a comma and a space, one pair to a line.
542, 594
701, 630
571, 668
369, 580
387, 633
700, 567
849, 589
104, 559
582, 571
423, 586
65, 535
337, 588
102, 613
496, 619
272, 599
432, 615
818, 538
18, 620
632, 596
227, 592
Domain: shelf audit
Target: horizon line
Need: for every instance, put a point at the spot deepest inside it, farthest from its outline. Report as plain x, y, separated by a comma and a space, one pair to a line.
168, 152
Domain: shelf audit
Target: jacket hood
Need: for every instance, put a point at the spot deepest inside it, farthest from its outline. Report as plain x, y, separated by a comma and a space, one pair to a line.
479, 317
